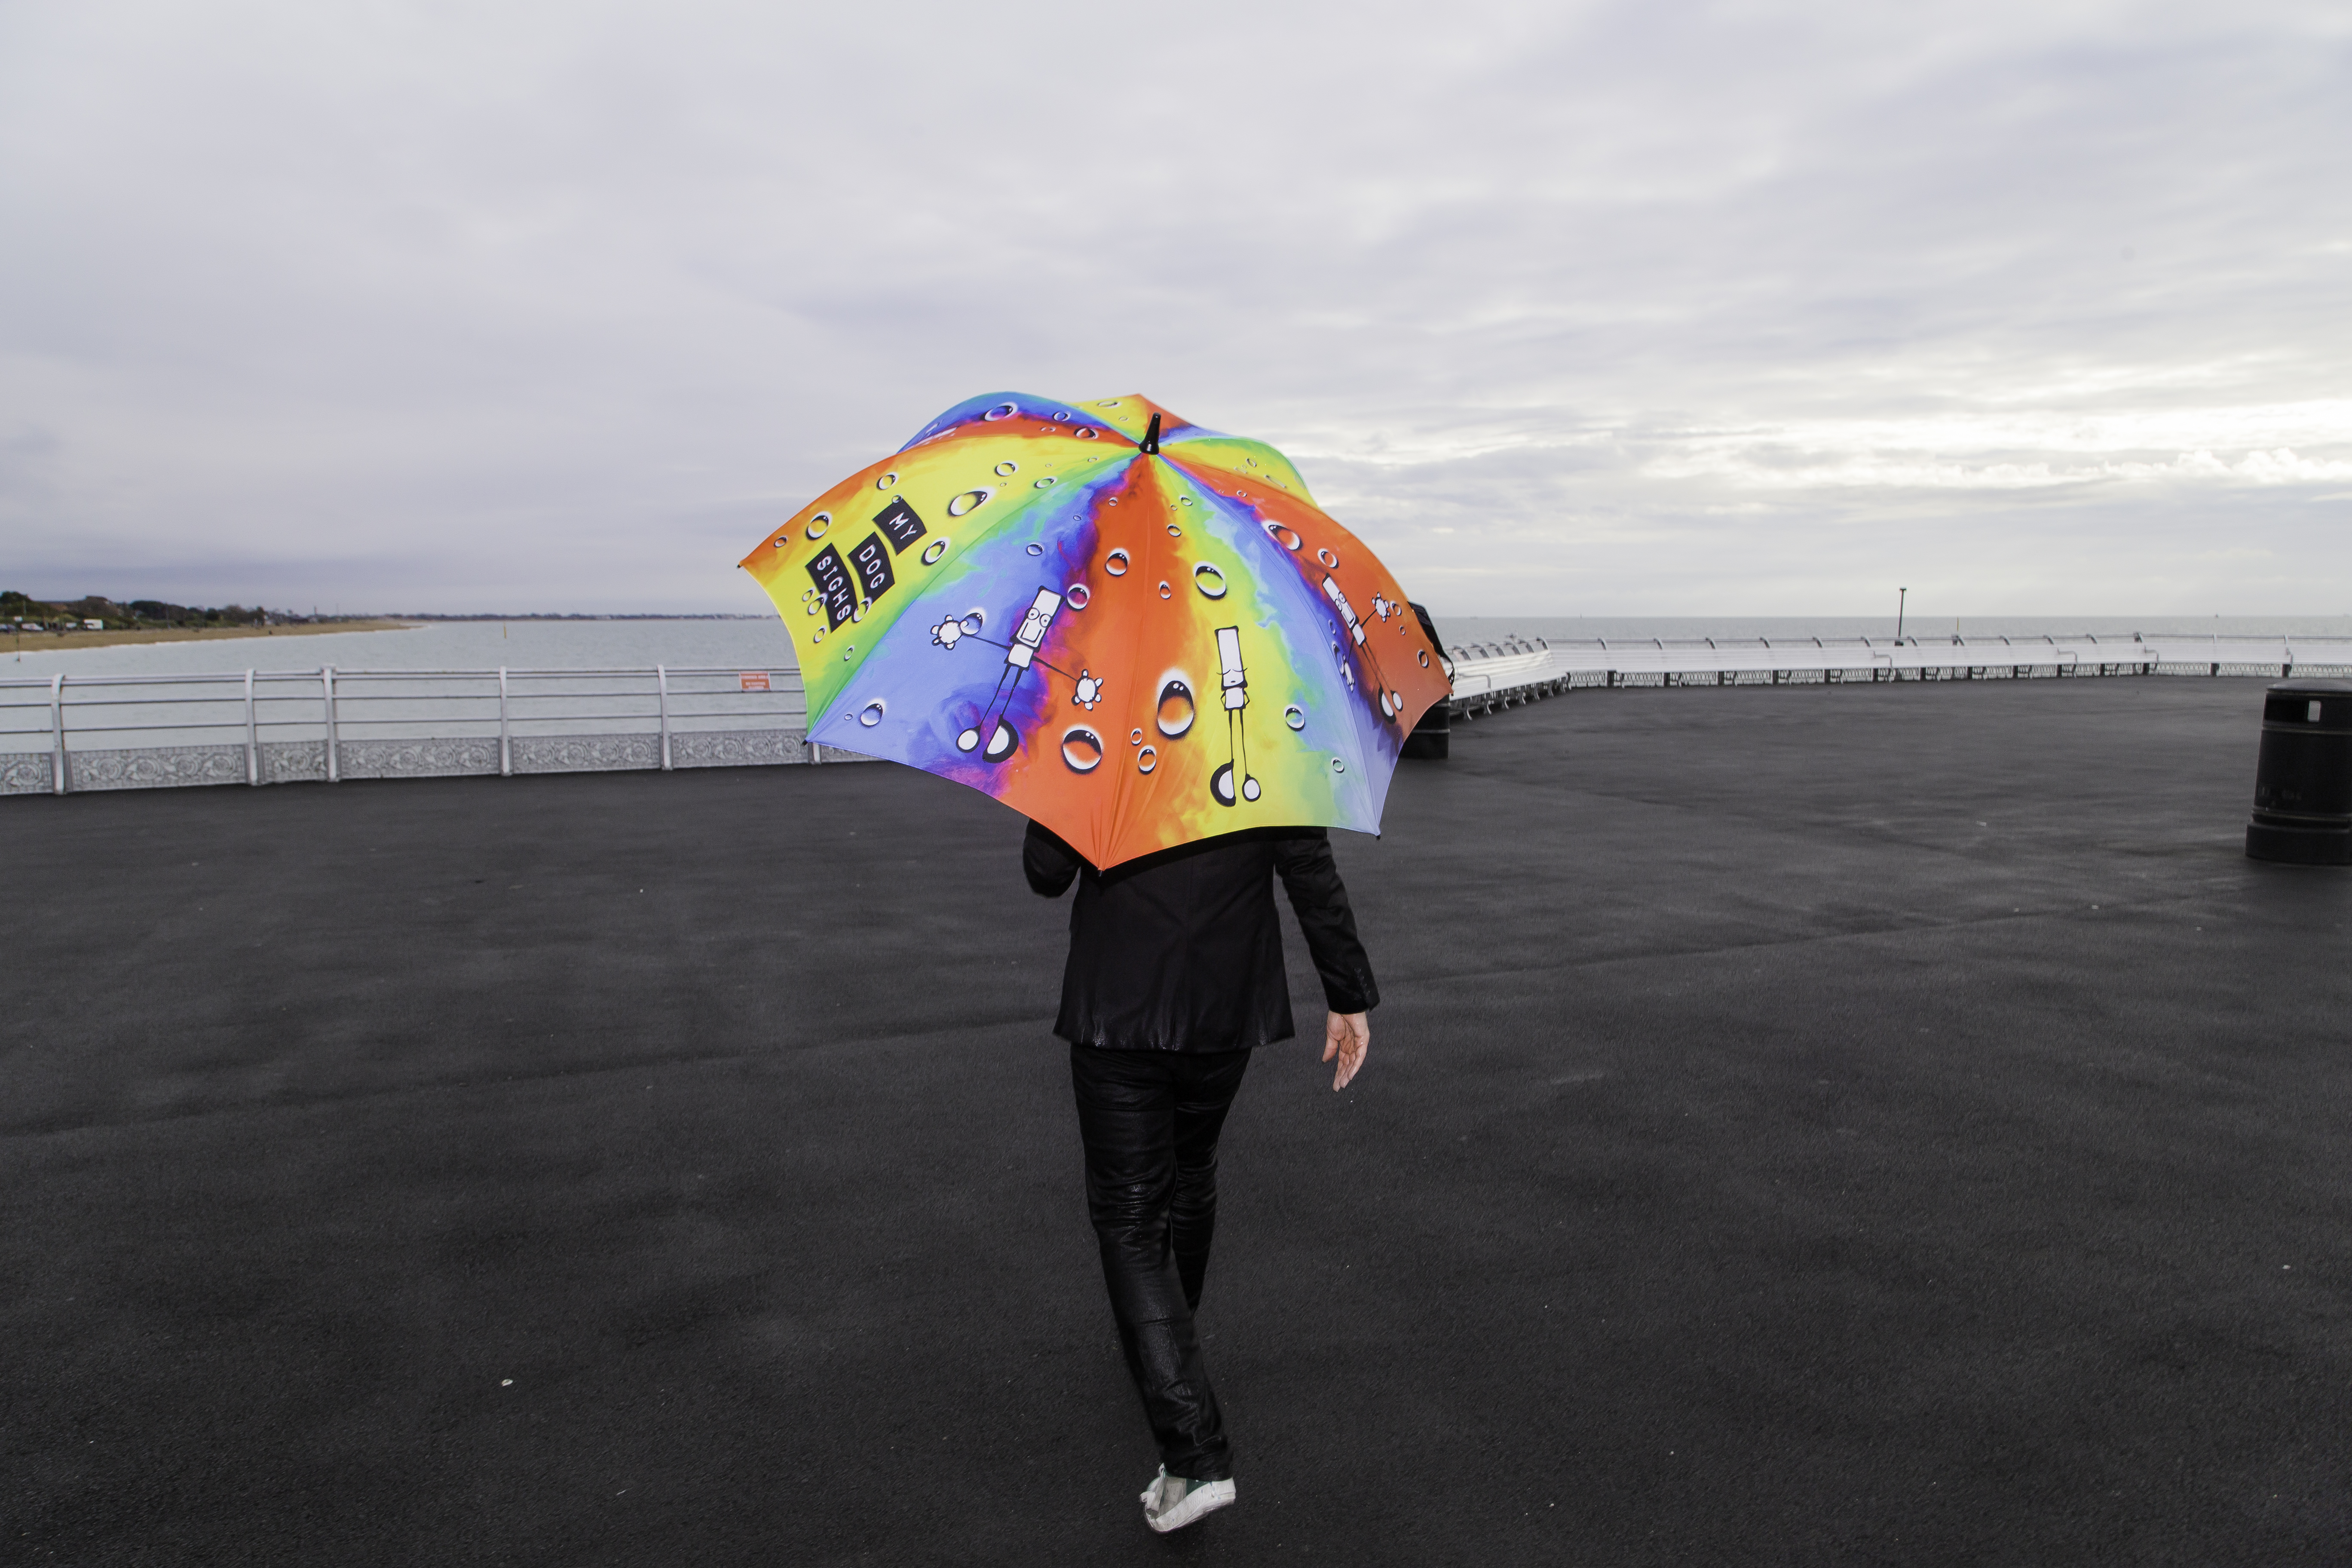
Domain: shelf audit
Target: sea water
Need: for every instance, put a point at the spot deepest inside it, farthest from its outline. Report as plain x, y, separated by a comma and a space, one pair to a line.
1671, 629
750, 643
759, 643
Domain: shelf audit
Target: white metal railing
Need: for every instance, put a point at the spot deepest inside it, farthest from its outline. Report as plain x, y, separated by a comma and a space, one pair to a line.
108, 731
66, 733
1488, 676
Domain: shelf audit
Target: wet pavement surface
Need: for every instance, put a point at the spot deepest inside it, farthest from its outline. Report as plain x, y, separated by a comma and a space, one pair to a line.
1863, 1124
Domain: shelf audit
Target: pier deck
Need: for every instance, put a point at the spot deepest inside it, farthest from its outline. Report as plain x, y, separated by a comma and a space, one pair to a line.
1864, 1123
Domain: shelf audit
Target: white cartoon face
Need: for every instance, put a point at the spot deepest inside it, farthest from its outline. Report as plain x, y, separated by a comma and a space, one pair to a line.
1040, 616
948, 633
1089, 690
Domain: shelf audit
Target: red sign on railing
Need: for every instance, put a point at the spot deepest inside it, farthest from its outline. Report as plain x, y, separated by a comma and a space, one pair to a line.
754, 679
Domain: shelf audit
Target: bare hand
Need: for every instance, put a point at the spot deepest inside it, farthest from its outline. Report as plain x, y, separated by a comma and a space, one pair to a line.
1347, 1035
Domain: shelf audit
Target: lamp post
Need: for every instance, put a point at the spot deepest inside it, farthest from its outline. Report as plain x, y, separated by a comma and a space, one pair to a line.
1900, 594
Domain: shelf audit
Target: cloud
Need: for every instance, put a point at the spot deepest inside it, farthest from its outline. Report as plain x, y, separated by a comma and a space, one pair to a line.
1789, 460
1598, 307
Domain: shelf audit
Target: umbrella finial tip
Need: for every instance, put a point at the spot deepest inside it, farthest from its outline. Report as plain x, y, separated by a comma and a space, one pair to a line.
1151, 436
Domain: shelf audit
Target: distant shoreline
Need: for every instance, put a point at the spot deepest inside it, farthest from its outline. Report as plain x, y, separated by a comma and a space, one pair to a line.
34, 642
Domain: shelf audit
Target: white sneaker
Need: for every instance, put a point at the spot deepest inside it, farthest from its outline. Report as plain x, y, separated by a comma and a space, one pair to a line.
1171, 1502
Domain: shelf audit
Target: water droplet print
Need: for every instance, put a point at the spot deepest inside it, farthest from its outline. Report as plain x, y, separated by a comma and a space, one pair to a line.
1036, 550
1327, 559
1077, 595
818, 524
1061, 413
933, 551
782, 540
1047, 483
1174, 532
1176, 707
1165, 590
1183, 501
1209, 580
1295, 716
1108, 402
1085, 433
1002, 411
817, 635
871, 714
967, 501
1337, 766
1422, 655
1116, 563
1135, 736
1082, 749
1283, 536
1147, 759
974, 622
1007, 468
885, 482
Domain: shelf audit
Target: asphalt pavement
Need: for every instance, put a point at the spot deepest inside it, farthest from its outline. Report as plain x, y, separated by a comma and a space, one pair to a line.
1849, 1124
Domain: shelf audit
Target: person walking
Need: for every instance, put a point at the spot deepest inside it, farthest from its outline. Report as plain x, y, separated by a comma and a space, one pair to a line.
1175, 974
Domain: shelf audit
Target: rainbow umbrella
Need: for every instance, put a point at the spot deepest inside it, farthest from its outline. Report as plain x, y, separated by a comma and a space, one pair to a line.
1133, 630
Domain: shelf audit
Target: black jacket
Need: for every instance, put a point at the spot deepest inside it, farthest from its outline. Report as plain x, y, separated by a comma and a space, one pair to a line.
1181, 950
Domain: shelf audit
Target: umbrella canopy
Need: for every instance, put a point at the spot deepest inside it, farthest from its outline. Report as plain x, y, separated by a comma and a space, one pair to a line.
1133, 630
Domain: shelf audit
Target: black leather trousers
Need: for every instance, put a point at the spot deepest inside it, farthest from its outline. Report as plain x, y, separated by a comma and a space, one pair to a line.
1151, 1120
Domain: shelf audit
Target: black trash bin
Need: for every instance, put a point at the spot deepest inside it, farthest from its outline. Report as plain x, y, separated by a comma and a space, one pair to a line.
2302, 780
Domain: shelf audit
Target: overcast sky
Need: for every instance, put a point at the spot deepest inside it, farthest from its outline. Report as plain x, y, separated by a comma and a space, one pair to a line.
1645, 307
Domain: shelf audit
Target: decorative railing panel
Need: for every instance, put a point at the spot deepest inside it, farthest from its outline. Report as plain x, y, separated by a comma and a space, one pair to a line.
154, 767
737, 748
26, 773
583, 753
417, 759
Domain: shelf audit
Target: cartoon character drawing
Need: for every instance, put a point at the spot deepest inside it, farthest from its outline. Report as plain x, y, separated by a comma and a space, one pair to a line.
991, 737
1233, 678
1391, 703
